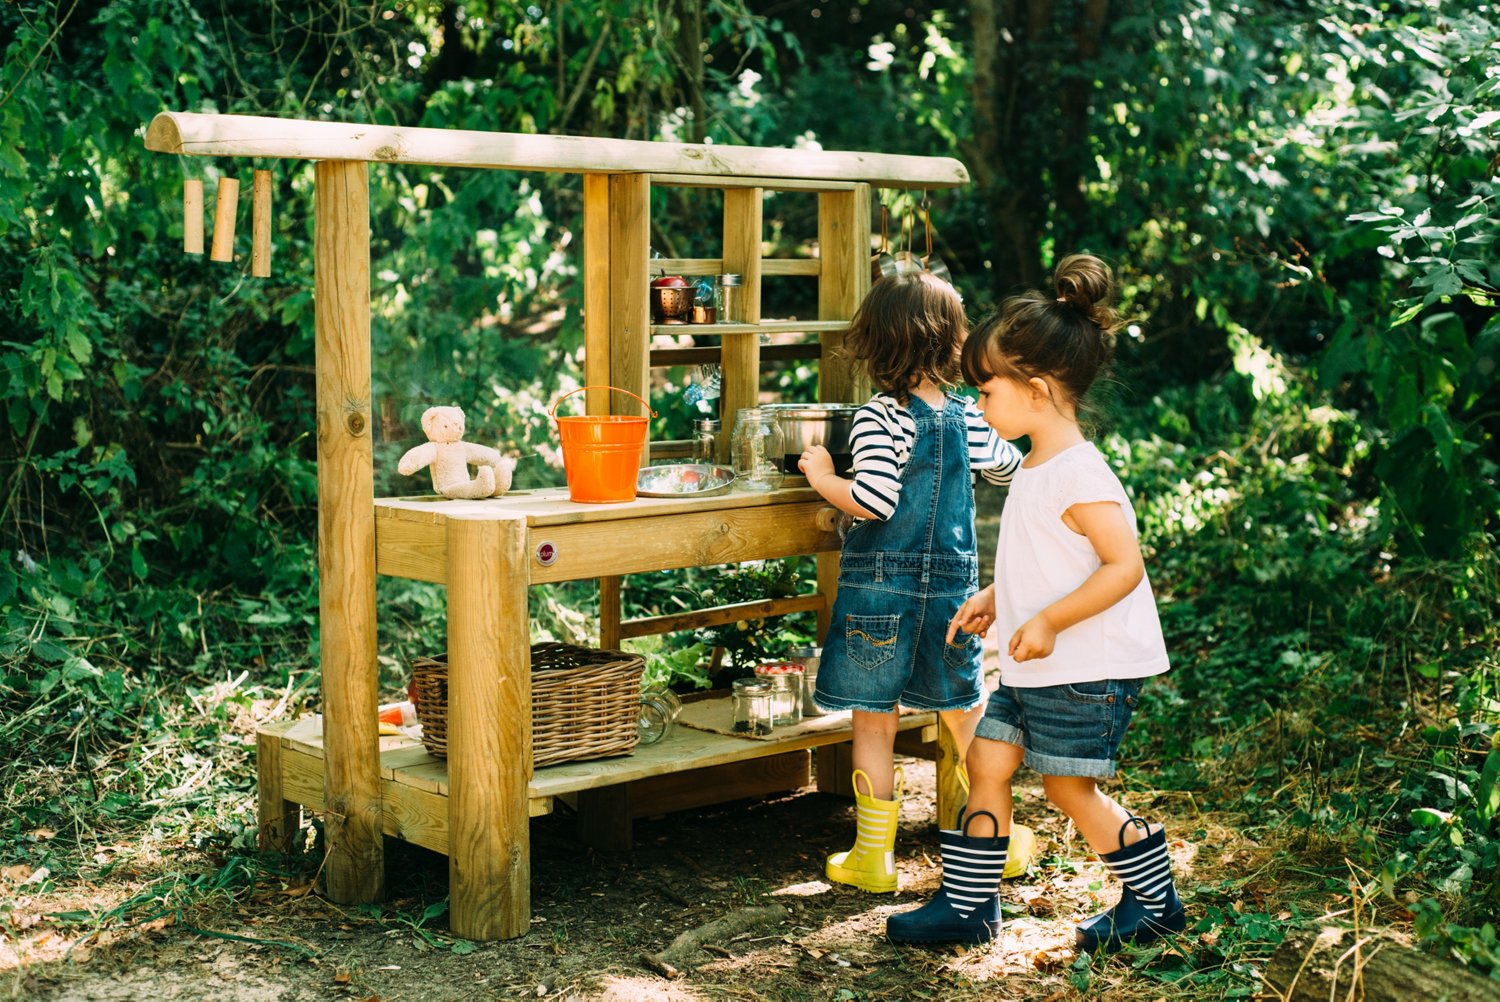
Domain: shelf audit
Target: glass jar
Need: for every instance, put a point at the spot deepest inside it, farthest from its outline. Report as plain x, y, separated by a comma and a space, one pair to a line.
750, 700
809, 658
706, 440
786, 691
729, 300
659, 710
759, 450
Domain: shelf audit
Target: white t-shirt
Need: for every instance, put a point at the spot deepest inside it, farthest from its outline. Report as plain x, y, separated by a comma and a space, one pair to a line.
1039, 560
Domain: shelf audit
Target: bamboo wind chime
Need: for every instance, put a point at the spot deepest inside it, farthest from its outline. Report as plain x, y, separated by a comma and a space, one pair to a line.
226, 206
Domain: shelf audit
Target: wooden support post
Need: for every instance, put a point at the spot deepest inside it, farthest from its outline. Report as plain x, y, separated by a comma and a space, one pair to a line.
260, 226
629, 293
489, 729
950, 794
596, 290
226, 207
844, 252
346, 532
192, 216
609, 612
743, 223
834, 765
604, 818
278, 819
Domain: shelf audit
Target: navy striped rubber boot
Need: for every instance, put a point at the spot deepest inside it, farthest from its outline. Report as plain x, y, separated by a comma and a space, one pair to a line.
966, 909
1148, 907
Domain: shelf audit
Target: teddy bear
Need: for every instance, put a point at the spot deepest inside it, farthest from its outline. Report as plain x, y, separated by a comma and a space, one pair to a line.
450, 458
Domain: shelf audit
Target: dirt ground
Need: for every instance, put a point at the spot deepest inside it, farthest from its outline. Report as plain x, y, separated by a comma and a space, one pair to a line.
596, 915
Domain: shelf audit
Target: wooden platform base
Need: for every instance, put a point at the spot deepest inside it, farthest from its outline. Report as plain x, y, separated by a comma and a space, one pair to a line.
688, 769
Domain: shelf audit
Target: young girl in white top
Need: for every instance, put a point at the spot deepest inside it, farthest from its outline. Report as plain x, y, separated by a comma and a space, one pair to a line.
1077, 620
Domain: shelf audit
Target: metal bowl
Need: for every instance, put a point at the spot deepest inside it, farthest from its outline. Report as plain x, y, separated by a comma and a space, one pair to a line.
684, 480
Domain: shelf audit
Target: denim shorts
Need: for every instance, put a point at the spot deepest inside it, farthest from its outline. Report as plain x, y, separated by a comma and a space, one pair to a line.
1067, 730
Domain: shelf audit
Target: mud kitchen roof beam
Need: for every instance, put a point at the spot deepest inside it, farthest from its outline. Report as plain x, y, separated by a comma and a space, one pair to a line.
294, 139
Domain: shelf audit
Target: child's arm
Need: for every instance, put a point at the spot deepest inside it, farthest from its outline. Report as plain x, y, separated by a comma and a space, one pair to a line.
1120, 570
991, 456
817, 465
976, 615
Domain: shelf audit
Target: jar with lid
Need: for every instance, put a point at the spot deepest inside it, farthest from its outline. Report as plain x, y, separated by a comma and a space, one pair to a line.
809, 658
786, 691
706, 440
750, 700
759, 449
729, 300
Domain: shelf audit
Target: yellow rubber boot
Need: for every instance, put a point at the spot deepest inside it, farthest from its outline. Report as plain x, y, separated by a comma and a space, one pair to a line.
871, 864
1022, 839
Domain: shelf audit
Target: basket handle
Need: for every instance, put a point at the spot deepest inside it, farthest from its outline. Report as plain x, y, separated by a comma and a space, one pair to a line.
553, 412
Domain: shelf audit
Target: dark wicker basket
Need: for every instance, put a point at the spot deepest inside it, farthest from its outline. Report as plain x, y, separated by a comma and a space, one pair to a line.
585, 703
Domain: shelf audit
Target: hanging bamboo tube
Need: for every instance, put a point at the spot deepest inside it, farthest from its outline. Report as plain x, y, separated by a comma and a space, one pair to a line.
225, 206
192, 216
260, 226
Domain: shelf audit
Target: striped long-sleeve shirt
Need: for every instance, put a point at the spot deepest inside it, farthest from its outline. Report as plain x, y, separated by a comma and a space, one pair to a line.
881, 439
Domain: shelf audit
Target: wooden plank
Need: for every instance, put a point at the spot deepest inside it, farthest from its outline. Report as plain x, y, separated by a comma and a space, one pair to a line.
298, 139
551, 506
676, 448
724, 537
192, 216
764, 327
779, 266
844, 250
918, 742
740, 356
720, 784
769, 183
610, 633
702, 619
260, 225
489, 730
417, 816
596, 289
835, 769
410, 549
278, 819
629, 291
346, 532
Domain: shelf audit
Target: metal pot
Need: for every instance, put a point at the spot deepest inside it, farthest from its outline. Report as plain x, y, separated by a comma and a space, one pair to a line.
828, 425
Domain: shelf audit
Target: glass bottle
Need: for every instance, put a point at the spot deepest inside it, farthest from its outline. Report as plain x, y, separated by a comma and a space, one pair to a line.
706, 440
729, 300
786, 691
750, 700
759, 449
659, 710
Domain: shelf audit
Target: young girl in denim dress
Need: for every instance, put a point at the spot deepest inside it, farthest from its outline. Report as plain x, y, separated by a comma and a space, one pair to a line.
909, 560
1077, 620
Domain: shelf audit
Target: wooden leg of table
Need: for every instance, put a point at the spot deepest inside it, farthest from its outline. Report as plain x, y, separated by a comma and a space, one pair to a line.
835, 769
489, 730
950, 794
604, 818
278, 820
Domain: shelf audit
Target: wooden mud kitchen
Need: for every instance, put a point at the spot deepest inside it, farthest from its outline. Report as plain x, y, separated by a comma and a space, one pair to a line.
475, 805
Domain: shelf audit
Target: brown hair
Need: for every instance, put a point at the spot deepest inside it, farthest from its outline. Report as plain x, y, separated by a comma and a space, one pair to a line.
1068, 337
908, 328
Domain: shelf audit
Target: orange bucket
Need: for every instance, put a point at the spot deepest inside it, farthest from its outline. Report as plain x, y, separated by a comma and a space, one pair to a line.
602, 456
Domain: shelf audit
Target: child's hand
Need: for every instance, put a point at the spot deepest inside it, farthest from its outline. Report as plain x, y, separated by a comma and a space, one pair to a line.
815, 463
1035, 639
975, 616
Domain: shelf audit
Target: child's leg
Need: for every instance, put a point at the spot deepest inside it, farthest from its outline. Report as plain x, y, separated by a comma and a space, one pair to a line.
961, 724
870, 864
874, 751
1134, 852
991, 766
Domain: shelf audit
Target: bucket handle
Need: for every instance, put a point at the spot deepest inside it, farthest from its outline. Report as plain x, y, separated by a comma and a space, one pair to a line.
553, 412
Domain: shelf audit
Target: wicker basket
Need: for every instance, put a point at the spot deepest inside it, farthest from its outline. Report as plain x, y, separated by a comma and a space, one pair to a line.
585, 703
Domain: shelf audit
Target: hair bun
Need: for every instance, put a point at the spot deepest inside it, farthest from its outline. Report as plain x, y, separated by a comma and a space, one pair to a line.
1085, 284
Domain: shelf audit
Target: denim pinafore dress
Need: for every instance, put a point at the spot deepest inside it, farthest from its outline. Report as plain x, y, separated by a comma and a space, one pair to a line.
902, 580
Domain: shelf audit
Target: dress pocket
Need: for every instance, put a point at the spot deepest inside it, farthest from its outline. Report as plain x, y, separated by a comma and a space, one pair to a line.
871, 640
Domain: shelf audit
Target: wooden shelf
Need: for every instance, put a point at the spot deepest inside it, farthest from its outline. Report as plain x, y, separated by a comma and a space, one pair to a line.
764, 327
414, 783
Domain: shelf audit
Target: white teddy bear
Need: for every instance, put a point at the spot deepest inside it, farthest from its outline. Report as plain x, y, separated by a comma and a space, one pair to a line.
450, 458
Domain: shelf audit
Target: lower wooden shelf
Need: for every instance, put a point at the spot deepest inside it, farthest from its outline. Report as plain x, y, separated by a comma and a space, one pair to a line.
414, 783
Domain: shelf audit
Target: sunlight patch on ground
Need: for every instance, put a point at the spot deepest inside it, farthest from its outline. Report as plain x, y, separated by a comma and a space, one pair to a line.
619, 989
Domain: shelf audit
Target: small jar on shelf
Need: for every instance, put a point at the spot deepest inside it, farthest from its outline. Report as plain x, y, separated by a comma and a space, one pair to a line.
786, 691
729, 300
750, 706
706, 440
759, 449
